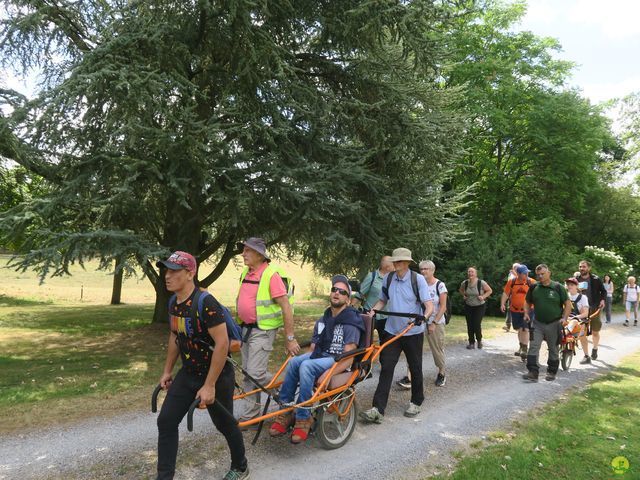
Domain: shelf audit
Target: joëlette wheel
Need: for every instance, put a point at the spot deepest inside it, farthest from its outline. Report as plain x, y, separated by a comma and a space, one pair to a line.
567, 356
332, 430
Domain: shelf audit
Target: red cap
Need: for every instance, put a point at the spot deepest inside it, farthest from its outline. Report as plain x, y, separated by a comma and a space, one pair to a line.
179, 260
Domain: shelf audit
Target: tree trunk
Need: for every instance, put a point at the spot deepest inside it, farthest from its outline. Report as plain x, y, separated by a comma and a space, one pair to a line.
161, 310
116, 292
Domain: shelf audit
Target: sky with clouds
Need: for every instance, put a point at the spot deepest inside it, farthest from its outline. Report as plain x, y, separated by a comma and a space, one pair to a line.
601, 37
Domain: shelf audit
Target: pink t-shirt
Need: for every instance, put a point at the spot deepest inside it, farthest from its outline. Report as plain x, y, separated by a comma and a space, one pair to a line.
249, 291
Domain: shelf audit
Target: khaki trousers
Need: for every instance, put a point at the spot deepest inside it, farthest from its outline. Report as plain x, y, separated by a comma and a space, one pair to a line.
436, 344
255, 361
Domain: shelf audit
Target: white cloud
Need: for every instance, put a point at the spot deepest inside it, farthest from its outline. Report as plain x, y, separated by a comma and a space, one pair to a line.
602, 91
542, 12
615, 19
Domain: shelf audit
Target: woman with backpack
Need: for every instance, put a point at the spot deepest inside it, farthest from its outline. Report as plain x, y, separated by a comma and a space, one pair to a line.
475, 293
630, 300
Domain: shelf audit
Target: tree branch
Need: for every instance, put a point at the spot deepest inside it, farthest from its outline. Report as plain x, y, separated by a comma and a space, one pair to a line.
229, 252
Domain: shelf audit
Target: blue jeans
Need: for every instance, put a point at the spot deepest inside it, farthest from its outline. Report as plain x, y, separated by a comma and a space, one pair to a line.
304, 370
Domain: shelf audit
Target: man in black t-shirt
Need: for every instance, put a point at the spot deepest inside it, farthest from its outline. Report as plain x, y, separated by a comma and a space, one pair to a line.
204, 374
591, 285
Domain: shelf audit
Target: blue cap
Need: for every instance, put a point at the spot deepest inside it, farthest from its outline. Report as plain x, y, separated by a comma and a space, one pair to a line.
522, 269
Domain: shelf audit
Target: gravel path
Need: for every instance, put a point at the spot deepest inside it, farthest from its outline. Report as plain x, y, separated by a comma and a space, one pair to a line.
484, 393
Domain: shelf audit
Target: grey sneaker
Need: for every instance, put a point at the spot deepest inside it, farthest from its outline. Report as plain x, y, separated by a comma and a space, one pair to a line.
440, 380
405, 383
234, 474
585, 360
372, 415
412, 410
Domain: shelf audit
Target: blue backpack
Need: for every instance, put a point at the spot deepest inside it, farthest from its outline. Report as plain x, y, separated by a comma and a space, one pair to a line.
233, 329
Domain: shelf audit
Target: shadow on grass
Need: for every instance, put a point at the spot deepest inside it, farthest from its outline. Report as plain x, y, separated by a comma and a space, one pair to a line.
8, 301
87, 320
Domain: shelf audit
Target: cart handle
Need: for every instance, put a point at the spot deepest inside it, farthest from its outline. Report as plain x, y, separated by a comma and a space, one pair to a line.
154, 399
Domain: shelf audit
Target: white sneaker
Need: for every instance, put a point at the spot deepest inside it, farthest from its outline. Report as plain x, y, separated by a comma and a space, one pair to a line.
412, 410
372, 415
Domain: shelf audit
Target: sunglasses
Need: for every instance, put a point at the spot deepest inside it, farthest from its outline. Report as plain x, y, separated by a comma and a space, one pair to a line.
341, 291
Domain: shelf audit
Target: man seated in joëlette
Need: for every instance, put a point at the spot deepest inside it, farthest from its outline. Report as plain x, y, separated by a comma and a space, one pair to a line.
338, 331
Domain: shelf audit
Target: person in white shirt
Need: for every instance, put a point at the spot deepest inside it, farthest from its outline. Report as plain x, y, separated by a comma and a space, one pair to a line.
438, 294
630, 300
579, 311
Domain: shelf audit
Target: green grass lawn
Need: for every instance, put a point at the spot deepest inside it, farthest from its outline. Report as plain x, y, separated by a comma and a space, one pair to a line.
64, 361
575, 438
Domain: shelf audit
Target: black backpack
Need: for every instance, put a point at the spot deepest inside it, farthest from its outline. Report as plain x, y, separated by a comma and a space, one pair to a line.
574, 305
414, 286
478, 285
447, 311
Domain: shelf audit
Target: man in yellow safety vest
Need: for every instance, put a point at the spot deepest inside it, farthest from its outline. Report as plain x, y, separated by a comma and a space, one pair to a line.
263, 305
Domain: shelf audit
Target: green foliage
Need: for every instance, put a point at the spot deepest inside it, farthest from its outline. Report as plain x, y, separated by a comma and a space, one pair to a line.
531, 243
630, 117
527, 138
194, 124
606, 262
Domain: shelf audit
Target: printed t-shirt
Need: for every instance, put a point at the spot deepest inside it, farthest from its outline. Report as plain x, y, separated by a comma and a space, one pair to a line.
196, 358
342, 335
434, 295
249, 292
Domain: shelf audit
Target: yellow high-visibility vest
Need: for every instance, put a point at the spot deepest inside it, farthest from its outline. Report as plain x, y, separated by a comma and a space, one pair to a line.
268, 312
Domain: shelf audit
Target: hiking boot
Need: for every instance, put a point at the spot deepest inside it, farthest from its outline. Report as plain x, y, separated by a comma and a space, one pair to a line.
523, 354
404, 382
471, 346
518, 353
585, 360
594, 354
550, 377
530, 376
372, 415
301, 430
234, 474
412, 410
479, 344
635, 323
281, 424
506, 328
440, 380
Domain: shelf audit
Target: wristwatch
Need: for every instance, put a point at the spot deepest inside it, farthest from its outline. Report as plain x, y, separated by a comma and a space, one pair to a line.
290, 338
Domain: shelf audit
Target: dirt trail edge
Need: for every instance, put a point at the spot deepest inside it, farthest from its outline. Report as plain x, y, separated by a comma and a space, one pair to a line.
484, 392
